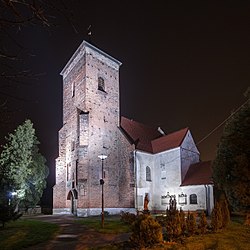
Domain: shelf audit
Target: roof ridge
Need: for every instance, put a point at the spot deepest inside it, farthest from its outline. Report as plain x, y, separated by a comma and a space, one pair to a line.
140, 123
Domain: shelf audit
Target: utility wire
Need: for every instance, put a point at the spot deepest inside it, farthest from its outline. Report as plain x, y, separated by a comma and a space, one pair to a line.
204, 138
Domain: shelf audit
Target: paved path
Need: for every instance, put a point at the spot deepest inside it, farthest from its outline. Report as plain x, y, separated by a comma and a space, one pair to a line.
74, 236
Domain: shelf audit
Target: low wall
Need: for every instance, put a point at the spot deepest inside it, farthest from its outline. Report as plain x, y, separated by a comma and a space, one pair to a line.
85, 212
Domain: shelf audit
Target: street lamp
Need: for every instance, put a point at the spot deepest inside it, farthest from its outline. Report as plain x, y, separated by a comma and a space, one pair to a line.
102, 157
11, 196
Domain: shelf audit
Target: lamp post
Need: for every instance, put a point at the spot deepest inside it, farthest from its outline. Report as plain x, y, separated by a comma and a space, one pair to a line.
102, 157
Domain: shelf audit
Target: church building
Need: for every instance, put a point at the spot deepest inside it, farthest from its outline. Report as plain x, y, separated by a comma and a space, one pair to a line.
101, 152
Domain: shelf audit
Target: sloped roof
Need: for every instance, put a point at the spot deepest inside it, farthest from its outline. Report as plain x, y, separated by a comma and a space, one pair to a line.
169, 141
149, 139
199, 174
140, 134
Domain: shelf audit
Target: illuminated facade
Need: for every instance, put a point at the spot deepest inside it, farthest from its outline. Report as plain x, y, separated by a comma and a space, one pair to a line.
139, 159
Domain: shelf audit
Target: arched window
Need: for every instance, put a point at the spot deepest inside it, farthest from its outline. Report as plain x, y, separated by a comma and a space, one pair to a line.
193, 199
101, 85
148, 173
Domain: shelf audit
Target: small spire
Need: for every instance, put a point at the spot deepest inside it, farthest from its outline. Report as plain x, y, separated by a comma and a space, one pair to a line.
161, 131
89, 32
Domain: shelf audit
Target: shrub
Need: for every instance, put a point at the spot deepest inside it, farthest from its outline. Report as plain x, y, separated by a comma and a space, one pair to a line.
216, 218
127, 217
225, 214
203, 222
146, 231
161, 220
191, 223
106, 213
8, 213
183, 222
173, 224
247, 220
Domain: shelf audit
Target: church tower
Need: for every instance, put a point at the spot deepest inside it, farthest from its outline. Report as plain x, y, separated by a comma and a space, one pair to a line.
91, 119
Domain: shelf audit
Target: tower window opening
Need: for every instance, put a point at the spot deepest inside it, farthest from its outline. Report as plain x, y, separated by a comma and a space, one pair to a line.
101, 84
73, 89
67, 172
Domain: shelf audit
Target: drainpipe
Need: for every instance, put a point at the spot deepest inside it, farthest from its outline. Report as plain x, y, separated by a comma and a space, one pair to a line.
206, 199
135, 169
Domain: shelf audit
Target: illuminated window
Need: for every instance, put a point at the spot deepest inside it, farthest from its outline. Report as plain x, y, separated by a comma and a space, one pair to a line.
101, 85
148, 173
193, 199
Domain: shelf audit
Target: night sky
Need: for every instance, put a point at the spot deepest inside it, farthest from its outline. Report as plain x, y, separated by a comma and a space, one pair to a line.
185, 64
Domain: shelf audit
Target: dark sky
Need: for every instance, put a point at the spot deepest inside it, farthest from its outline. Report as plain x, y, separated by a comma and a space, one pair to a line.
185, 64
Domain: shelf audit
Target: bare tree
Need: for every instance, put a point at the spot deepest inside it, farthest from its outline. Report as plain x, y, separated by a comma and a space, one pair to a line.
15, 17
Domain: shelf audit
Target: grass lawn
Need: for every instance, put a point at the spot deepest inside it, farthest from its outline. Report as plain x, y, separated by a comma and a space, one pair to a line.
235, 237
112, 224
24, 233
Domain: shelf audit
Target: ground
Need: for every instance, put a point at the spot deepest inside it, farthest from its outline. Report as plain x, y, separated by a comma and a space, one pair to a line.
73, 235
76, 233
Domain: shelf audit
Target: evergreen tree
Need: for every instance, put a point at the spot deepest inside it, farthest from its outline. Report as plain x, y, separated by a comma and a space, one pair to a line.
231, 168
22, 167
173, 223
183, 222
191, 223
216, 217
203, 222
225, 214
146, 232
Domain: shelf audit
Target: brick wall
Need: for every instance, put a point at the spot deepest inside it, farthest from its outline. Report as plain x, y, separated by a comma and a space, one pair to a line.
91, 120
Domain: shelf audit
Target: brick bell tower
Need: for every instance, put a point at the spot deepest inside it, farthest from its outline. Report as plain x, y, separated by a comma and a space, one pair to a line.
91, 128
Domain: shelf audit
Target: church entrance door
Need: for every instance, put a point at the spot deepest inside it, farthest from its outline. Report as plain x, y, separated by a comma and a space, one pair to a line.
73, 205
72, 196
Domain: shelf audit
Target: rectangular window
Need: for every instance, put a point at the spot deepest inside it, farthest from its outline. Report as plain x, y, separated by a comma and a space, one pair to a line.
67, 172
76, 172
101, 85
73, 89
163, 175
72, 145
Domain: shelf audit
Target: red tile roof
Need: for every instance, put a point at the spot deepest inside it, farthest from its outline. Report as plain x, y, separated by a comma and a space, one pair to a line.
199, 174
169, 141
140, 134
149, 139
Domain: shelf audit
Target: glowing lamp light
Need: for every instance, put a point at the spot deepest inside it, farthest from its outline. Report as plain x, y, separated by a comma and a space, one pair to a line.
102, 157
